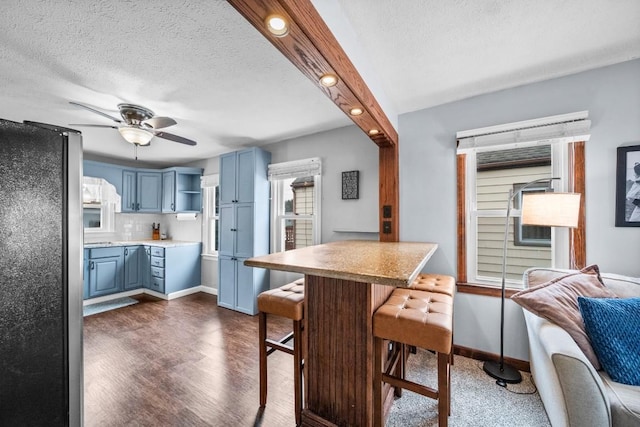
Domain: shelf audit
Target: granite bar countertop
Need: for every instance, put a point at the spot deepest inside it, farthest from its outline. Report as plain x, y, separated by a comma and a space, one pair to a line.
150, 242
385, 263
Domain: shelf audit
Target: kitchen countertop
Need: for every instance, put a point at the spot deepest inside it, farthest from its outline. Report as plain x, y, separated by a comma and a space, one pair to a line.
160, 243
384, 263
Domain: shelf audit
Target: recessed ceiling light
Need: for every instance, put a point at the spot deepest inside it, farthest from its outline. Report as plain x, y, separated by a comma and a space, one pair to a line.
328, 80
374, 132
355, 111
277, 25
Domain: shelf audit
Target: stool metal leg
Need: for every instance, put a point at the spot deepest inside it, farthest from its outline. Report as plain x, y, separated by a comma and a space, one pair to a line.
262, 337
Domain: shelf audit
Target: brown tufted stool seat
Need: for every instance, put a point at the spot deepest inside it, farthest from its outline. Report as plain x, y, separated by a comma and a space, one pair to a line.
286, 301
422, 319
434, 283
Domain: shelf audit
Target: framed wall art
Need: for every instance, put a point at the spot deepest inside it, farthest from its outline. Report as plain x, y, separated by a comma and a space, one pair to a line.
350, 185
628, 187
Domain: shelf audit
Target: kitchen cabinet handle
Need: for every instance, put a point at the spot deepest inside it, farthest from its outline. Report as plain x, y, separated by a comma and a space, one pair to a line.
126, 251
172, 207
234, 229
133, 206
92, 265
138, 206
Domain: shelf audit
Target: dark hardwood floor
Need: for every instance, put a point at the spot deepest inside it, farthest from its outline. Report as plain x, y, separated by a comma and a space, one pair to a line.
184, 362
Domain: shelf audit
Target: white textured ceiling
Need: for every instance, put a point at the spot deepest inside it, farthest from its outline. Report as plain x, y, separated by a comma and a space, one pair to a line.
201, 63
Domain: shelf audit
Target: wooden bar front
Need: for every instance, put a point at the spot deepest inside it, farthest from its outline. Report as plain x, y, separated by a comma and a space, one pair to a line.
345, 282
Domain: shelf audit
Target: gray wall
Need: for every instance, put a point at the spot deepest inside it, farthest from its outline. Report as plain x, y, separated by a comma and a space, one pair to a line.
428, 181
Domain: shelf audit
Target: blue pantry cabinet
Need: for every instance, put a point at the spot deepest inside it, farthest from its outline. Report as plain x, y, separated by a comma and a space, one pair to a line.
244, 228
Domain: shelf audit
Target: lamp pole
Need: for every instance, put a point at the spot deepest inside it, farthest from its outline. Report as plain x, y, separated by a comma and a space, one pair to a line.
502, 372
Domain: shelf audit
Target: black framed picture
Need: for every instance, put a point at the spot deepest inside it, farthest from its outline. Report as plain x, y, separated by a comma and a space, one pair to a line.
628, 187
350, 185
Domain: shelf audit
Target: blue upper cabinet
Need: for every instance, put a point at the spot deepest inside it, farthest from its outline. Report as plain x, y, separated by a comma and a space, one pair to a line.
141, 191
129, 191
181, 190
168, 192
149, 191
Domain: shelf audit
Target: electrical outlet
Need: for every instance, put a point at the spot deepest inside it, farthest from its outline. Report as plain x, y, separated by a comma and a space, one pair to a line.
386, 227
386, 211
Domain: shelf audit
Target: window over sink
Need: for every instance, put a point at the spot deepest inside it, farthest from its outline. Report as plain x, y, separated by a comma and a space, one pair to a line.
100, 202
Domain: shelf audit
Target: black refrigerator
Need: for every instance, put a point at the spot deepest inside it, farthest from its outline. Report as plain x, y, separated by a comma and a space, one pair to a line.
40, 275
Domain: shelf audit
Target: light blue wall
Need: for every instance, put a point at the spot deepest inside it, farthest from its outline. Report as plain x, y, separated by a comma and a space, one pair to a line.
428, 180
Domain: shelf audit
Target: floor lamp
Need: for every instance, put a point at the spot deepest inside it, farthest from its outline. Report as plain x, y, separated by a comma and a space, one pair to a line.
547, 209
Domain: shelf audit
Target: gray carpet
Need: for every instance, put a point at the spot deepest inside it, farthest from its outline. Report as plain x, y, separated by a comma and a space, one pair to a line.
101, 307
476, 400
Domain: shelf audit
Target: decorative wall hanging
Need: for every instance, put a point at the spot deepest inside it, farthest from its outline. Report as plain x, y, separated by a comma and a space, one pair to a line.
350, 185
628, 187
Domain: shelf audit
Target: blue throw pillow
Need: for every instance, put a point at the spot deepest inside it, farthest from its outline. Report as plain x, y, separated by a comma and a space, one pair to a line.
613, 326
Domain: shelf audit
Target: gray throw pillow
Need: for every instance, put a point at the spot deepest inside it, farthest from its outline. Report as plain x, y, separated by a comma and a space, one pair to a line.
557, 301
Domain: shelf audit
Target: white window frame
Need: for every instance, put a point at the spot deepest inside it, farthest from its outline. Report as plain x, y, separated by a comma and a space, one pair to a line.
278, 172
209, 183
556, 131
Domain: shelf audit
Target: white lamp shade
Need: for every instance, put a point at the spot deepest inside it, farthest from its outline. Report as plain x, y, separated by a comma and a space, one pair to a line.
551, 209
135, 135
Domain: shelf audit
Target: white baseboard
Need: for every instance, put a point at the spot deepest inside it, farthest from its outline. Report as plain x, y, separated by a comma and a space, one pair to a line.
209, 290
166, 297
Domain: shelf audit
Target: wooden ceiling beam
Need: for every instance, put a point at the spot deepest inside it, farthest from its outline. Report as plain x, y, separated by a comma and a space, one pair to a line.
314, 50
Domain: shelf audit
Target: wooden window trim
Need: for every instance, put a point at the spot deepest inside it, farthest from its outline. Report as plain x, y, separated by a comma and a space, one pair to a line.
577, 237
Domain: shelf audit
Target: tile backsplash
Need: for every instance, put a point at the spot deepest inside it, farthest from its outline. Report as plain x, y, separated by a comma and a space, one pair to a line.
139, 227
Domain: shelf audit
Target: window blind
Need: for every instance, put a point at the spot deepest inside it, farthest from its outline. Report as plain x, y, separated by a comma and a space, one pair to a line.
295, 169
563, 128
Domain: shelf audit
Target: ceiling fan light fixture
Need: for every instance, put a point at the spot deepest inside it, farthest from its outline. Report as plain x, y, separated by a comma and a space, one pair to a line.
328, 80
136, 135
277, 25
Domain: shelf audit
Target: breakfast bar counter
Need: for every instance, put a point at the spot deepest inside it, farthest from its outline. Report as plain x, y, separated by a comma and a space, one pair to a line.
345, 282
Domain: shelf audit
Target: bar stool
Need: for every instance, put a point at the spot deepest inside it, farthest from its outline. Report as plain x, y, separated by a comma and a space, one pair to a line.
286, 301
422, 319
434, 283
439, 283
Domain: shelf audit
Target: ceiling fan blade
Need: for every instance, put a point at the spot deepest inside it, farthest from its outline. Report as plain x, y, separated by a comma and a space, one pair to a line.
159, 122
93, 126
175, 138
96, 111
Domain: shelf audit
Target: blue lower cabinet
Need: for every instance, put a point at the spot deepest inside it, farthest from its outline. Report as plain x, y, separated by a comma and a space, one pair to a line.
165, 270
132, 272
174, 268
85, 274
106, 271
145, 266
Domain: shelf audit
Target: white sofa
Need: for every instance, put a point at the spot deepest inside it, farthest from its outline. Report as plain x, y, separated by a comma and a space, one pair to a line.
572, 391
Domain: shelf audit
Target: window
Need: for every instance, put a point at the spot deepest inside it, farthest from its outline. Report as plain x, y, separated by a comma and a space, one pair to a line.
295, 190
493, 164
499, 173
211, 196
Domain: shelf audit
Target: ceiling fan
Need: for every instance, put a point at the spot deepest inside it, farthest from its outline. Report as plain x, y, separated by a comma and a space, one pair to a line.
138, 124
